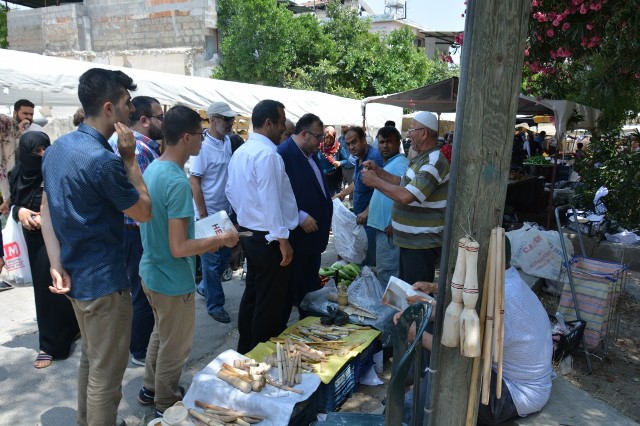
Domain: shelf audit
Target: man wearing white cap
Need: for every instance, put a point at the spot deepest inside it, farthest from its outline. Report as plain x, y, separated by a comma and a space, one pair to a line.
208, 180
420, 200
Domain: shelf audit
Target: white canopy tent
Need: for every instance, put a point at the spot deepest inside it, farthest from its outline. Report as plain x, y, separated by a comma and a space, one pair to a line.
52, 81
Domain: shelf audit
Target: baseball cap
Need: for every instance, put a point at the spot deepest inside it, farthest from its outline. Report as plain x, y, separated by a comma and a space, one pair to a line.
220, 108
427, 118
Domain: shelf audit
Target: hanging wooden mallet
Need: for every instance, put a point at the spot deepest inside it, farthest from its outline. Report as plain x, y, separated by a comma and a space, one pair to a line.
487, 346
451, 325
469, 320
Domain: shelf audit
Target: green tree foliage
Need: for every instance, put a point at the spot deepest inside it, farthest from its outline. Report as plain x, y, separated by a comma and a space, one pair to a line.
611, 162
264, 43
4, 43
255, 47
586, 51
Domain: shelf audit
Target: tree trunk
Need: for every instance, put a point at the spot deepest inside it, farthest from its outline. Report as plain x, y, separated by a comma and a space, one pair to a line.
491, 71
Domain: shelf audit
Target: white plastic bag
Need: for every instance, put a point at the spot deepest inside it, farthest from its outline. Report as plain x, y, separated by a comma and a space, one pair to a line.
16, 255
365, 287
538, 252
350, 239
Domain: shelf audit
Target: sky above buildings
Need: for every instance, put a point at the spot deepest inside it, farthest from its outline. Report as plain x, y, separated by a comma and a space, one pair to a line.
441, 15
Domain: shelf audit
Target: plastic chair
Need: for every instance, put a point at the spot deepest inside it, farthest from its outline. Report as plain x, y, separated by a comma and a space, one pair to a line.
404, 356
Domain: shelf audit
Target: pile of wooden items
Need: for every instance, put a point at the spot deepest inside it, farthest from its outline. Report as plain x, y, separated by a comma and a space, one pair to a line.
249, 376
313, 344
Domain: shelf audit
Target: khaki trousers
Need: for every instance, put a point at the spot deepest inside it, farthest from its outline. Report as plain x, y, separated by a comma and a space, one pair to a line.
169, 346
105, 325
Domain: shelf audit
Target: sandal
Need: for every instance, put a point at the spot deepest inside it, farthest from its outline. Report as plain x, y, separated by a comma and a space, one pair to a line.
43, 360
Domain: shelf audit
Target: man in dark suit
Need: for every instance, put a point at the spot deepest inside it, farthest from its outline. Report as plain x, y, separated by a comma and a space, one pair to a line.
315, 208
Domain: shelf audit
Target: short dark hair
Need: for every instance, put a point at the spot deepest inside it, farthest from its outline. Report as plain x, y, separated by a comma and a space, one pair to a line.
580, 145
543, 133
305, 123
98, 86
21, 103
143, 106
265, 109
78, 117
358, 130
178, 121
388, 132
389, 123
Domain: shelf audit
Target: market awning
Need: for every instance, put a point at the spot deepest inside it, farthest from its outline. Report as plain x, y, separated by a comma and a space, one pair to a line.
442, 97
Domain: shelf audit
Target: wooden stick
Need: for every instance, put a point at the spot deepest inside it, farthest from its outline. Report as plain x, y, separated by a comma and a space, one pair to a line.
209, 421
236, 382
206, 405
243, 377
500, 330
279, 355
489, 288
272, 382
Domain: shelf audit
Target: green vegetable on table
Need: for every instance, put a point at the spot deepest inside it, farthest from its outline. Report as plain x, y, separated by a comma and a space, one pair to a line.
537, 160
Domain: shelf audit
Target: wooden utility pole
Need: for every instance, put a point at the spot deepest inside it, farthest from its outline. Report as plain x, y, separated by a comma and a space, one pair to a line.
491, 71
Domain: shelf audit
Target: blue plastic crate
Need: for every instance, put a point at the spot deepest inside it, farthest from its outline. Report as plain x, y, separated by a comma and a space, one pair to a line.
364, 360
334, 393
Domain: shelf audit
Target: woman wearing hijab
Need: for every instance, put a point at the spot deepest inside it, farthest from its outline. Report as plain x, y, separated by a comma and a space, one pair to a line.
329, 159
57, 324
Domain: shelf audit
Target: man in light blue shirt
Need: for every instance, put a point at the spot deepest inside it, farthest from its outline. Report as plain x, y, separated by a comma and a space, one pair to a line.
395, 163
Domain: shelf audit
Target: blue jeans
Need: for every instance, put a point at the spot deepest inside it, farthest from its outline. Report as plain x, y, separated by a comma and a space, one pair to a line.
213, 266
370, 259
387, 258
142, 320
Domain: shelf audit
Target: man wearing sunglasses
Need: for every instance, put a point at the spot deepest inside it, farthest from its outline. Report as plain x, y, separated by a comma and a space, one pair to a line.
420, 200
208, 179
146, 125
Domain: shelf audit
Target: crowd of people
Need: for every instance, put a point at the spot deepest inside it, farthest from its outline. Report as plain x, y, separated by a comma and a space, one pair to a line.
110, 228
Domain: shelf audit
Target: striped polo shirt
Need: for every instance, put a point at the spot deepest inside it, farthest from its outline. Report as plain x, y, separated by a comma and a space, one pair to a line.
419, 225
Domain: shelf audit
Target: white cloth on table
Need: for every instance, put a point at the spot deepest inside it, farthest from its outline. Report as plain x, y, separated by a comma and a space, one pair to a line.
273, 403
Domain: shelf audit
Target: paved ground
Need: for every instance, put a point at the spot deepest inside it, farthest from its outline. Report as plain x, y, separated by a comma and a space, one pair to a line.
48, 397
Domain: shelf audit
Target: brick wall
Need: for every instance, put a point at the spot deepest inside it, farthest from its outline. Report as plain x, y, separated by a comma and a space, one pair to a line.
112, 25
52, 28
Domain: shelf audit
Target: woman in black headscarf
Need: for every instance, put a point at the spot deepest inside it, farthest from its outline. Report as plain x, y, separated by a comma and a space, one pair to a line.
57, 324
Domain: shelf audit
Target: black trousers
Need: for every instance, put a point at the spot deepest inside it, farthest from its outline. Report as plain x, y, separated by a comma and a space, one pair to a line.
498, 410
265, 293
418, 264
304, 279
57, 324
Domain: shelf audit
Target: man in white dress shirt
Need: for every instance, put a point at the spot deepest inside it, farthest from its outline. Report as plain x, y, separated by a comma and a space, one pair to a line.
261, 195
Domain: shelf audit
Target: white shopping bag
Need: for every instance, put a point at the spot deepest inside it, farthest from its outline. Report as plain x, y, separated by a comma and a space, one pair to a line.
16, 255
350, 239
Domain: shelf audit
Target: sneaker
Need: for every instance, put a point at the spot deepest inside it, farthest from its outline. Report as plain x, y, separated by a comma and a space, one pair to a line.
160, 413
145, 396
200, 291
221, 316
137, 361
